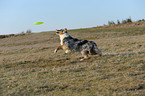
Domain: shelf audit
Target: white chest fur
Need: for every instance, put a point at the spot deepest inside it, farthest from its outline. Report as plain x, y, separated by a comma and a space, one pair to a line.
62, 37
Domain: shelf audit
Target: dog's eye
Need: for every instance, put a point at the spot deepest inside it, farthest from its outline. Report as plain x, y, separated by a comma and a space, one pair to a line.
64, 31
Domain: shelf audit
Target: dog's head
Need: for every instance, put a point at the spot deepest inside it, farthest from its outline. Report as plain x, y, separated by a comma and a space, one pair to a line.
61, 32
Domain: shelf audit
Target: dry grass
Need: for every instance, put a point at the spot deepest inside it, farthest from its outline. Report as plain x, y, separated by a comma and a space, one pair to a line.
29, 66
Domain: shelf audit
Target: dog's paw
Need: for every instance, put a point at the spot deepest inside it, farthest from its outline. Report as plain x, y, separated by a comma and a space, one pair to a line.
55, 51
86, 58
81, 59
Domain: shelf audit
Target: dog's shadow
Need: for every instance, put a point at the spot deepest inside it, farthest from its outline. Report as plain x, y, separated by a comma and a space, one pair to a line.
94, 58
123, 54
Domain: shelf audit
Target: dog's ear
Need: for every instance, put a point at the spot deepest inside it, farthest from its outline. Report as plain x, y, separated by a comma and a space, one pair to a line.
61, 30
65, 30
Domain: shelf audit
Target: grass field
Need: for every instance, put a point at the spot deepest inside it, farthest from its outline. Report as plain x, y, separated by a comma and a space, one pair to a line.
29, 67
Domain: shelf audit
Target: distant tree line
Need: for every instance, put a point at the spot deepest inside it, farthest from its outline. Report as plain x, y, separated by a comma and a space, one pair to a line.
27, 32
141, 20
128, 20
14, 35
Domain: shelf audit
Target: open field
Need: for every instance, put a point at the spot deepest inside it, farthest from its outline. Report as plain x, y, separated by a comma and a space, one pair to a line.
29, 67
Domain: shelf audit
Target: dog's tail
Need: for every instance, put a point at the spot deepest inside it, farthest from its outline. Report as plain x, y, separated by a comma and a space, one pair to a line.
97, 50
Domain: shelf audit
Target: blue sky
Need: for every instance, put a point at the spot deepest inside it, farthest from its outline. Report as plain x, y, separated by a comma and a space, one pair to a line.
17, 16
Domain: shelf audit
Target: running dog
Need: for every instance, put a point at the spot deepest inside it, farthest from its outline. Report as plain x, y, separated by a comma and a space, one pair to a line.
70, 44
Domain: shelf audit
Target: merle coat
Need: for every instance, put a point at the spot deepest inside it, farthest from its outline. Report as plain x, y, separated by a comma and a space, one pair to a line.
83, 46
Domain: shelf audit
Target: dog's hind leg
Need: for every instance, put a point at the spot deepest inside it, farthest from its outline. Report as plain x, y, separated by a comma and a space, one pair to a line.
97, 50
85, 55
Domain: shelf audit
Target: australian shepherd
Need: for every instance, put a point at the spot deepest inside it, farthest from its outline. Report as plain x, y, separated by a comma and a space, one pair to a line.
70, 44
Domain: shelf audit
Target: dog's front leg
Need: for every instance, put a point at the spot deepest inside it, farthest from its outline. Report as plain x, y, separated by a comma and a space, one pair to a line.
57, 48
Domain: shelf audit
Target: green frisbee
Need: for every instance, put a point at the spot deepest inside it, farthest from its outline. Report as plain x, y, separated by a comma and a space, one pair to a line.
38, 23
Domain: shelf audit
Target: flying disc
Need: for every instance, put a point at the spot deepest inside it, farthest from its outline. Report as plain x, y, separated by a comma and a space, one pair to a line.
38, 23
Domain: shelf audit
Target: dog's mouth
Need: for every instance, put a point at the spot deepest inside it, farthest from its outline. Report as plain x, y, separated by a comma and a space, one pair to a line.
57, 33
